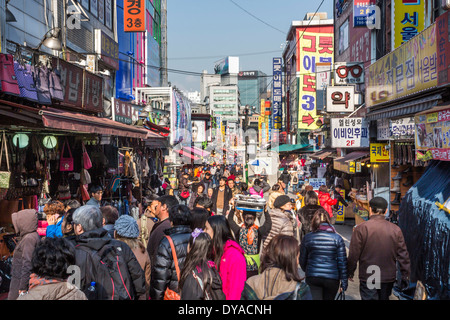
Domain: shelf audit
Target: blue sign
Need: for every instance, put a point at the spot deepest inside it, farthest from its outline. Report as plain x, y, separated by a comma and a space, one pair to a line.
277, 94
361, 12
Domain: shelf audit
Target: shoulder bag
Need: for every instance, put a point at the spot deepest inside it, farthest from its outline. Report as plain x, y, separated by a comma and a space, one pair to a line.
87, 163
4, 175
170, 294
65, 164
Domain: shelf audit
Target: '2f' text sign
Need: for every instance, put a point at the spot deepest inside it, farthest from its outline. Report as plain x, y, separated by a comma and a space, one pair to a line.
349, 133
134, 15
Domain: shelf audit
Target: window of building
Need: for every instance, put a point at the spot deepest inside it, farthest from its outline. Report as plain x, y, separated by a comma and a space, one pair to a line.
343, 37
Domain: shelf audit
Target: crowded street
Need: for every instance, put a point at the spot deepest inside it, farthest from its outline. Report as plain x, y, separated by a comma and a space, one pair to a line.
241, 152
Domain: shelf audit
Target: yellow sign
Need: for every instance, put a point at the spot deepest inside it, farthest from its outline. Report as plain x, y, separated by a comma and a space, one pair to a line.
409, 20
352, 167
315, 46
406, 70
379, 153
340, 212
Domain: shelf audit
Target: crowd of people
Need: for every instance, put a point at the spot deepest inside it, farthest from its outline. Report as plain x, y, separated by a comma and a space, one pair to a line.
193, 243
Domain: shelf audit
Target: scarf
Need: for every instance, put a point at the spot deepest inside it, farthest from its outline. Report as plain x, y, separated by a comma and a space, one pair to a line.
326, 227
36, 280
250, 233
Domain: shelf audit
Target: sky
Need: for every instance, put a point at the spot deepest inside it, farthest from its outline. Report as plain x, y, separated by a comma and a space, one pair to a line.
201, 32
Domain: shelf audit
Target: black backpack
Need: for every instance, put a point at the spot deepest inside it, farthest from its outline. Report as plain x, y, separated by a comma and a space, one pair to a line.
111, 274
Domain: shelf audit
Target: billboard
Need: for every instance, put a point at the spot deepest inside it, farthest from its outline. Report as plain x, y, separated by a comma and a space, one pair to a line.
277, 92
315, 46
227, 65
433, 136
198, 131
409, 20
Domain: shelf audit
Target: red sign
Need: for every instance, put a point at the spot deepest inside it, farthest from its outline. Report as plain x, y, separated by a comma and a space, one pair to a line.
134, 15
93, 92
443, 49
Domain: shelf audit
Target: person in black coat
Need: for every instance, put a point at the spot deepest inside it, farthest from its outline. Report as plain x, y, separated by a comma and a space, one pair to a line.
323, 258
307, 212
227, 196
164, 274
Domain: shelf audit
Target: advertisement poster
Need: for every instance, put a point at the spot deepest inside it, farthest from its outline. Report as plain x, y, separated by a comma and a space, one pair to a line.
316, 46
409, 20
407, 70
349, 133
433, 136
198, 131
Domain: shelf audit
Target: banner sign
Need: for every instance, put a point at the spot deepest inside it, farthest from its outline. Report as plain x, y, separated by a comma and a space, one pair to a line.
409, 20
349, 133
348, 73
317, 182
277, 93
362, 12
410, 69
340, 212
433, 136
315, 46
123, 111
379, 153
107, 48
383, 129
402, 128
134, 15
341, 99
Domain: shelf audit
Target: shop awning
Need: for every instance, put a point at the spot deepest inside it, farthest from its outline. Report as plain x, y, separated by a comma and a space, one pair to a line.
78, 122
404, 109
289, 147
322, 154
342, 163
158, 129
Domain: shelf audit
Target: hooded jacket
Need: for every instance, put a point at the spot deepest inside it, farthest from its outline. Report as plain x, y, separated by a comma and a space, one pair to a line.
283, 222
25, 225
164, 274
257, 190
323, 255
326, 202
45, 289
233, 270
97, 239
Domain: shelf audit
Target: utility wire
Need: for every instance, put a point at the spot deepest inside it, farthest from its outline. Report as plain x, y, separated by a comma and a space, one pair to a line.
260, 20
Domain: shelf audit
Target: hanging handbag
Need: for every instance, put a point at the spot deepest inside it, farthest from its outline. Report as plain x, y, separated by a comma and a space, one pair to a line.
5, 176
42, 84
87, 163
170, 294
65, 164
24, 75
84, 192
55, 86
8, 77
85, 177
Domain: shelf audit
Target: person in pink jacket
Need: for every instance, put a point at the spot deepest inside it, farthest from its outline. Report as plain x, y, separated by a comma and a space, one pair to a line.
228, 256
326, 201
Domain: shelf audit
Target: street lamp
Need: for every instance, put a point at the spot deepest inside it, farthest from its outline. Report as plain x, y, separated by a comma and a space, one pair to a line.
51, 39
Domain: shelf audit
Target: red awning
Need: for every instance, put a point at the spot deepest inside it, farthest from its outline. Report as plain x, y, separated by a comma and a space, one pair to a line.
78, 122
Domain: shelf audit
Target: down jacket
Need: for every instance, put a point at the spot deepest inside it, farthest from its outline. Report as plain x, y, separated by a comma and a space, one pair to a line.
323, 255
164, 274
283, 222
326, 202
25, 225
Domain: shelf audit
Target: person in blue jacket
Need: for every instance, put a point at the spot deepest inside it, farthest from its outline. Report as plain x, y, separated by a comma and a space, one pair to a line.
323, 258
54, 210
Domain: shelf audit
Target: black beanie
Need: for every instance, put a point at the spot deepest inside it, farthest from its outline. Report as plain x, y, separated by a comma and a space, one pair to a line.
281, 201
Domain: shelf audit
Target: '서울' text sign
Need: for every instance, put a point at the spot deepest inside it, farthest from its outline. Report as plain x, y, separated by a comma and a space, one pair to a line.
349, 133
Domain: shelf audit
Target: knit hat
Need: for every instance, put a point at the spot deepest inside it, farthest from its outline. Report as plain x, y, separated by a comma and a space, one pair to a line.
126, 226
281, 201
231, 177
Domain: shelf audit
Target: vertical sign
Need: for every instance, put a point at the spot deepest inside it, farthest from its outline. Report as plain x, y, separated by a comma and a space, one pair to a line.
409, 20
277, 93
340, 212
315, 46
443, 48
134, 15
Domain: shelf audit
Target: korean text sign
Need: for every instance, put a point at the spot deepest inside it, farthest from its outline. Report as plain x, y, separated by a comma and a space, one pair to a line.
134, 15
317, 182
433, 134
349, 133
277, 93
315, 46
409, 20
379, 152
407, 70
340, 212
340, 99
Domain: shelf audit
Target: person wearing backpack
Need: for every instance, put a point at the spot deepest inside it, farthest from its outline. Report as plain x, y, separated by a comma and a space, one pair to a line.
108, 262
200, 279
280, 278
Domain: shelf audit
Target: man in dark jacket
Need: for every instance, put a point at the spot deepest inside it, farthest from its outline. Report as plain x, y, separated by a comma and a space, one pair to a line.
286, 178
93, 239
164, 275
378, 245
207, 181
221, 197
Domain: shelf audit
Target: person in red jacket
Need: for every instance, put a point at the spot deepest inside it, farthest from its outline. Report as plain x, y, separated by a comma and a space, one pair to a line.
325, 200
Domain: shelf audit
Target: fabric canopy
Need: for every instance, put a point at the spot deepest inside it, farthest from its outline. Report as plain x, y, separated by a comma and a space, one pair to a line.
290, 147
322, 154
342, 163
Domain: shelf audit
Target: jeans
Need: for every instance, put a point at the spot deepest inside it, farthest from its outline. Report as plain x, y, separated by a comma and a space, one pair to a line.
323, 288
375, 294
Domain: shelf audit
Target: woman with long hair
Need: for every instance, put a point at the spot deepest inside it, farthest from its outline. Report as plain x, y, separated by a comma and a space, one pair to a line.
307, 212
200, 279
323, 258
228, 257
279, 273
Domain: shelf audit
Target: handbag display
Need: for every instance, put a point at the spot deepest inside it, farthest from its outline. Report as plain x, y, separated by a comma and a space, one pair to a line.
64, 192
170, 294
25, 79
5, 176
87, 163
84, 192
42, 84
65, 164
8, 77
55, 86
